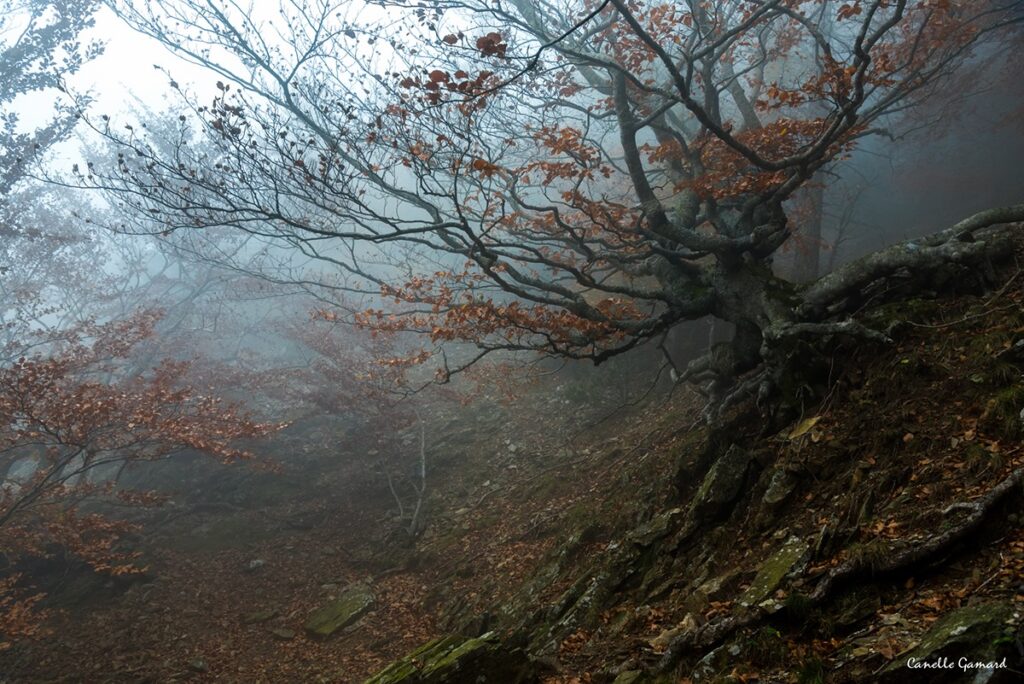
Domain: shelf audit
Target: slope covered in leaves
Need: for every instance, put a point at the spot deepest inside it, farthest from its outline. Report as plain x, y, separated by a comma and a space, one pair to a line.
602, 541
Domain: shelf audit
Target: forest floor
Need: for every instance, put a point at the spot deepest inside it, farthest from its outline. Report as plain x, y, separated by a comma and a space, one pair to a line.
236, 568
906, 436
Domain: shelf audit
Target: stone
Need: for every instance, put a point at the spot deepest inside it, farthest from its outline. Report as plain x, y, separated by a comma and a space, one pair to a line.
255, 564
259, 616
661, 642
773, 571
351, 605
457, 659
721, 486
972, 632
780, 487
717, 588
283, 633
658, 527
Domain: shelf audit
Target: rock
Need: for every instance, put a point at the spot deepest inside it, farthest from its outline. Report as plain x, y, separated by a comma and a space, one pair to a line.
198, 665
717, 588
351, 605
457, 659
972, 633
658, 527
260, 616
780, 487
255, 564
772, 572
283, 633
661, 642
629, 677
690, 624
707, 668
721, 486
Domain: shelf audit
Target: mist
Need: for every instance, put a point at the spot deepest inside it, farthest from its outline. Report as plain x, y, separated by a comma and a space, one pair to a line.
469, 341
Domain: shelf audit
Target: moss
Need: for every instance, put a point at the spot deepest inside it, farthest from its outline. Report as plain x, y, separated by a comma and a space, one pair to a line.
811, 671
449, 659
869, 554
771, 574
578, 515
979, 459
766, 647
973, 632
259, 616
799, 607
546, 486
917, 310
452, 654
353, 603
1004, 412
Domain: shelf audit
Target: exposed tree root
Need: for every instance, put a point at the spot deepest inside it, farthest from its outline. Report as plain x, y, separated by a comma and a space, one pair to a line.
920, 257
919, 553
715, 632
826, 306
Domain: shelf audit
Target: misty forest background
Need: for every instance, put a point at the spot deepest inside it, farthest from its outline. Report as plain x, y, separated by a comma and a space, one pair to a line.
532, 335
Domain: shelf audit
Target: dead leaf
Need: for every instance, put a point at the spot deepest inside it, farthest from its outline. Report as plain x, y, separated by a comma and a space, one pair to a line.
803, 427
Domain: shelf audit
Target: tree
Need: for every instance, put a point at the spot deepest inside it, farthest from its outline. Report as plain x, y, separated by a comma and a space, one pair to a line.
71, 421
41, 47
574, 179
83, 392
325, 369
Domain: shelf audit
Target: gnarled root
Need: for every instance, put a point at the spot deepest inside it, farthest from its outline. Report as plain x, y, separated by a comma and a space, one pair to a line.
717, 631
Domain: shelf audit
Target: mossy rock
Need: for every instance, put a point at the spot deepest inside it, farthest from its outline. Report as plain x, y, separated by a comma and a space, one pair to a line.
353, 603
974, 632
771, 574
259, 616
457, 659
721, 486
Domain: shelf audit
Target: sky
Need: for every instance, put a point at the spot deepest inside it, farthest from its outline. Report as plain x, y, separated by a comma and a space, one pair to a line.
124, 75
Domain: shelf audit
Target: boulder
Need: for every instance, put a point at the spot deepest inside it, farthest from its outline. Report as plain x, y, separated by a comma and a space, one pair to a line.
351, 605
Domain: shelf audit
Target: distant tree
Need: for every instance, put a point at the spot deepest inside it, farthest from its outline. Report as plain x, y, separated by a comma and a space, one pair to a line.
572, 178
71, 421
83, 391
324, 368
40, 46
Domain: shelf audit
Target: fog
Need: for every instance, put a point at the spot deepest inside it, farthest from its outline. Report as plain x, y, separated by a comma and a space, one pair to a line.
274, 274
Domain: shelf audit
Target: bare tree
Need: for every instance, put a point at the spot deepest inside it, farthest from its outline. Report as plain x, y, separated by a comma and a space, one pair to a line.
569, 178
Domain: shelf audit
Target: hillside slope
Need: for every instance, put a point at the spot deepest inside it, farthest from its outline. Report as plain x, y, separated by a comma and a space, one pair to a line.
576, 536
